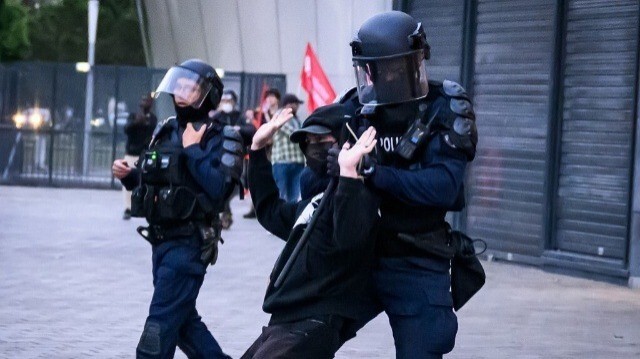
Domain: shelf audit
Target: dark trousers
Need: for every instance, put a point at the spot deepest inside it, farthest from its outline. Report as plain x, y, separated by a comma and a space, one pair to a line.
415, 295
312, 338
173, 319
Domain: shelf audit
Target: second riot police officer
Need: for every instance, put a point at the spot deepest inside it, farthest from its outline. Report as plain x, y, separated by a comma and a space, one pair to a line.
180, 183
426, 136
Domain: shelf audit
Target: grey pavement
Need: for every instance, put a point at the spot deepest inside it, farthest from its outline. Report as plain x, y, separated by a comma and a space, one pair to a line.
75, 282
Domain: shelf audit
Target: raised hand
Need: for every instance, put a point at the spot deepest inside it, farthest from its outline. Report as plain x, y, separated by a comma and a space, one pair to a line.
191, 136
269, 129
350, 156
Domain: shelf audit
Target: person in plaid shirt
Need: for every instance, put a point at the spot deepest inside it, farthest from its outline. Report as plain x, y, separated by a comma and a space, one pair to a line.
286, 156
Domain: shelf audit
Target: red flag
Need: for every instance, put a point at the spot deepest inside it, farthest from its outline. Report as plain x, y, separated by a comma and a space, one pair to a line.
315, 82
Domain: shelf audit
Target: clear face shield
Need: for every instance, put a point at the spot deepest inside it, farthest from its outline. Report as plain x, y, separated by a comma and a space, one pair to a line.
393, 79
187, 87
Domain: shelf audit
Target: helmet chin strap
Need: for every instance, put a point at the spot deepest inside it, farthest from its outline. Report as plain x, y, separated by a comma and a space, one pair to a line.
189, 114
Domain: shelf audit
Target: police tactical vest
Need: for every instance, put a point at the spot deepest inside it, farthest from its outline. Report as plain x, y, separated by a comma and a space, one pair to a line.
449, 114
446, 110
168, 193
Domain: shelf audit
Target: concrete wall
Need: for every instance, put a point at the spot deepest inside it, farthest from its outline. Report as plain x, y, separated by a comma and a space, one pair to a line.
266, 36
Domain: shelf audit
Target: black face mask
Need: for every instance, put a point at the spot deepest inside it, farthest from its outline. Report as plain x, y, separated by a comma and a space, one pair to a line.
190, 114
316, 156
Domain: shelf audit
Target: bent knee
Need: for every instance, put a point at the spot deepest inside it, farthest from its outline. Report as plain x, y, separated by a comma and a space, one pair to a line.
149, 345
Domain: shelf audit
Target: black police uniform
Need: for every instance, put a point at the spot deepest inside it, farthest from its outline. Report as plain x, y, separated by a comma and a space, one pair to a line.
426, 135
180, 192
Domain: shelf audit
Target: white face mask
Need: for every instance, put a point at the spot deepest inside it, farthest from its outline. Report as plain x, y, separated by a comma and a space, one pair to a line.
226, 107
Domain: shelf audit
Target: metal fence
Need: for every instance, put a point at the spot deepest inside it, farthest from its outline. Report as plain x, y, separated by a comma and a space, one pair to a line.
42, 107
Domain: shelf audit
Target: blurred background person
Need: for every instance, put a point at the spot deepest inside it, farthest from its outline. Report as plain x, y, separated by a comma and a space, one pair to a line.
40, 120
138, 129
269, 107
250, 117
286, 156
270, 104
228, 114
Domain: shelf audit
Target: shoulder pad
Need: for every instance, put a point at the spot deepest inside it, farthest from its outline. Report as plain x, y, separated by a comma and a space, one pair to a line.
457, 119
457, 99
230, 133
454, 89
168, 123
462, 107
214, 128
346, 95
463, 136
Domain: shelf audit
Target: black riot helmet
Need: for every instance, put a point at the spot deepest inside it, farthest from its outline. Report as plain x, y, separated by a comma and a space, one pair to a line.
194, 83
389, 57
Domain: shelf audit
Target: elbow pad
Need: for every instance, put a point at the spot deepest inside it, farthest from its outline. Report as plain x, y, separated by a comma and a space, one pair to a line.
233, 153
459, 120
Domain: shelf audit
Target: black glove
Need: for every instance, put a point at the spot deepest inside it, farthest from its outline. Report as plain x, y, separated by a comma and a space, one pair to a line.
333, 168
210, 238
233, 153
367, 166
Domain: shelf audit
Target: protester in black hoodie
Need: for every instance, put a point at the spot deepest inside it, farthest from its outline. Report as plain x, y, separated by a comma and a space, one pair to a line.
328, 292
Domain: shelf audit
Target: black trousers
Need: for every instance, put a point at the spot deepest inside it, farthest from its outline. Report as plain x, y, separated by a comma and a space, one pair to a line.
311, 338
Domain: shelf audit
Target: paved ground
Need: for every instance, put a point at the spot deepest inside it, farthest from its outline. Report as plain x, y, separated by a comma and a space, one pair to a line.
75, 282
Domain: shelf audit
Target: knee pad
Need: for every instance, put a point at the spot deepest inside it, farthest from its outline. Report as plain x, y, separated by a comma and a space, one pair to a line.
150, 340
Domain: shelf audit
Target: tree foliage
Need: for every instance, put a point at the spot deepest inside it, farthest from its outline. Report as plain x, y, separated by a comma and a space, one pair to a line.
14, 34
57, 31
119, 40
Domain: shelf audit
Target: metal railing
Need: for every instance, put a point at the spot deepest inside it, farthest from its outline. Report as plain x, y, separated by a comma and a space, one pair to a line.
42, 130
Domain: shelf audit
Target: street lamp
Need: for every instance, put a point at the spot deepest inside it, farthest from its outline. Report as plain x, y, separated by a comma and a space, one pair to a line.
88, 108
19, 119
36, 119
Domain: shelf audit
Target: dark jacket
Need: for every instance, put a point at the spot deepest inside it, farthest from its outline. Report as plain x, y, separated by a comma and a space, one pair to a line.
139, 131
234, 118
332, 273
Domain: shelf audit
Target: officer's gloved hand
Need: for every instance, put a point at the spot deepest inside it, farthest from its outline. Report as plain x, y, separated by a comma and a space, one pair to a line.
333, 168
209, 252
233, 153
210, 236
367, 166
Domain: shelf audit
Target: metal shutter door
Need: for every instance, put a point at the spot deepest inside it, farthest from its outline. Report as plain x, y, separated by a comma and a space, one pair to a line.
513, 58
597, 128
442, 21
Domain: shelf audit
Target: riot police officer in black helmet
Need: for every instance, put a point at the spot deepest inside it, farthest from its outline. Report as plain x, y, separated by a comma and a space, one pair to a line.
179, 185
426, 136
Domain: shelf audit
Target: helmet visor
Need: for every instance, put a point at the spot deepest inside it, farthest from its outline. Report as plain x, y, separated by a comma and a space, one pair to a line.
389, 80
187, 87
